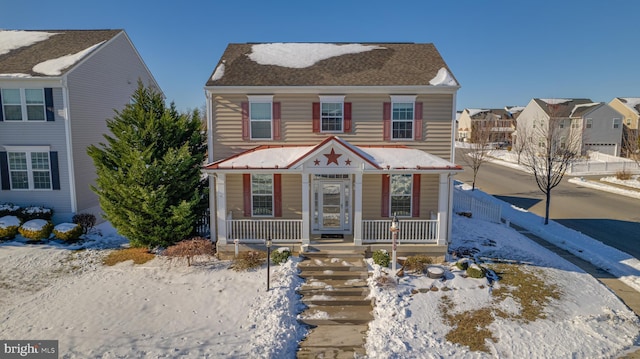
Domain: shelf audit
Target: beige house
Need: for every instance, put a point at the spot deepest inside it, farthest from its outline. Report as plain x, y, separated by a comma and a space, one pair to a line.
629, 107
322, 140
501, 123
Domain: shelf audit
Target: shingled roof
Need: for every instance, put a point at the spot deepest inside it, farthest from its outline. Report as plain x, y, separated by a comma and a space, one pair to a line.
559, 108
370, 64
22, 50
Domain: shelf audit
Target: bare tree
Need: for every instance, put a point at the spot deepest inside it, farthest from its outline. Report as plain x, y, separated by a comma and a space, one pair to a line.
631, 144
550, 148
478, 149
520, 143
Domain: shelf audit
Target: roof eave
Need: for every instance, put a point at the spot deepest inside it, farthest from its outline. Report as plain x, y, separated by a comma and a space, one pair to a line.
381, 89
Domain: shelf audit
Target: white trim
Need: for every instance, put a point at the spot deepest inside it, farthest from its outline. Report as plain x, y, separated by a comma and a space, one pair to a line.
331, 98
27, 148
260, 98
403, 99
221, 213
69, 142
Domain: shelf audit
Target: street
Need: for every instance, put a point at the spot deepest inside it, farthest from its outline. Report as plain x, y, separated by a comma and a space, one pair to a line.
610, 218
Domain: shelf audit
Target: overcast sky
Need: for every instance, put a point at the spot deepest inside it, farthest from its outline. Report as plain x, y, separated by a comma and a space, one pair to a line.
502, 52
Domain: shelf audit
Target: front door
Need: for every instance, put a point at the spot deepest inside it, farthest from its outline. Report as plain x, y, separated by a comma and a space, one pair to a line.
332, 206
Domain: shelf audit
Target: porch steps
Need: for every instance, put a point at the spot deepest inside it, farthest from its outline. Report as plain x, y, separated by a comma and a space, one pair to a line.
338, 308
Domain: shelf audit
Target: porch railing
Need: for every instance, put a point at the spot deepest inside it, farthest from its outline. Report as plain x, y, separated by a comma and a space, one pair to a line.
411, 231
258, 230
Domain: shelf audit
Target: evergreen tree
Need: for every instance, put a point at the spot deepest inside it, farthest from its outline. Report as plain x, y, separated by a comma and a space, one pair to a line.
149, 181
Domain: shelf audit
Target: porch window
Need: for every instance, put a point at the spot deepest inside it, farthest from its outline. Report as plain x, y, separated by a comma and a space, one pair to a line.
262, 195
400, 194
23, 104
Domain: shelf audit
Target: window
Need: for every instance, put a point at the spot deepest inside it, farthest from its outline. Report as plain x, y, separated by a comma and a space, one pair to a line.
563, 142
331, 116
260, 117
29, 170
628, 122
616, 123
575, 123
402, 120
400, 193
262, 195
589, 123
23, 105
562, 123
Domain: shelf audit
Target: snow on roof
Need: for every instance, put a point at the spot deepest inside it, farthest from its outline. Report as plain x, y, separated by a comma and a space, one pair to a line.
514, 109
54, 67
219, 72
631, 103
475, 111
278, 157
405, 158
578, 107
554, 101
443, 78
301, 55
15, 39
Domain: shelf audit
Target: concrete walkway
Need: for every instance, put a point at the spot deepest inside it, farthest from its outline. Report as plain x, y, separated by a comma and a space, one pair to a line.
628, 295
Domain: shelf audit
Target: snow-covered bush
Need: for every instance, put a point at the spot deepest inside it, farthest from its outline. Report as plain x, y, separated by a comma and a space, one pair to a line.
475, 271
9, 209
381, 258
85, 220
36, 229
35, 212
9, 227
280, 255
69, 232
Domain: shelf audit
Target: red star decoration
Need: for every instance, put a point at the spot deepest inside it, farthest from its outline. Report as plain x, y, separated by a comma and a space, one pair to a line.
332, 157
347, 162
316, 162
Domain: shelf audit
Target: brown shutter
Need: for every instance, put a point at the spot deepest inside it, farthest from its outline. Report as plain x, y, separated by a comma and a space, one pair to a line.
385, 195
276, 122
277, 195
417, 135
347, 117
246, 194
316, 117
386, 121
415, 200
245, 121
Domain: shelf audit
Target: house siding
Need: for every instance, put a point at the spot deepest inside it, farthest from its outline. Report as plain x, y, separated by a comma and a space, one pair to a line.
98, 86
602, 136
367, 125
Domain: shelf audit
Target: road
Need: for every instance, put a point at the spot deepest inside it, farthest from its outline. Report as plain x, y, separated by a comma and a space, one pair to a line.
610, 218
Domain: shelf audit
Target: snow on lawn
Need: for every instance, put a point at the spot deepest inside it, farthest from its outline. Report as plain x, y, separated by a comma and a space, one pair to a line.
166, 309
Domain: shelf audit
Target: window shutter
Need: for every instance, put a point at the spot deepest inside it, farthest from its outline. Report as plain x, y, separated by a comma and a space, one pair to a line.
417, 135
386, 121
246, 193
1, 108
347, 117
316, 117
245, 121
276, 121
415, 194
4, 171
48, 104
277, 195
385, 195
55, 172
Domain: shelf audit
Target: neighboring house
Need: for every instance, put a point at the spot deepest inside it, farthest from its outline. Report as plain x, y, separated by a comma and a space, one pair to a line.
313, 140
57, 89
629, 107
501, 123
599, 125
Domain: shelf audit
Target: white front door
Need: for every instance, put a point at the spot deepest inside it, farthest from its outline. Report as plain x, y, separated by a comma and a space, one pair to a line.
332, 204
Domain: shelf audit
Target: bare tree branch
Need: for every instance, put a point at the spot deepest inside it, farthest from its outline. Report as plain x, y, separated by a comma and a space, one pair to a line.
477, 152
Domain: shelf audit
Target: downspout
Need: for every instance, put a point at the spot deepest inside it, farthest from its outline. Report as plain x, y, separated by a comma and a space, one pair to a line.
213, 208
69, 144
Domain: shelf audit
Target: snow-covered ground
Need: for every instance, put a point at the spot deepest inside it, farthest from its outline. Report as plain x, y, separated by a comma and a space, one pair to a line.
165, 310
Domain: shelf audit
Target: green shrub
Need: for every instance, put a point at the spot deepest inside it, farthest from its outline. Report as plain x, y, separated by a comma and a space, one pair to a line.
85, 220
417, 263
381, 258
8, 209
462, 264
68, 232
248, 260
35, 212
475, 271
280, 255
36, 229
9, 227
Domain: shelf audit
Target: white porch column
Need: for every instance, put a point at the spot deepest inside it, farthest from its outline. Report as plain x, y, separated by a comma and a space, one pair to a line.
213, 219
306, 218
221, 213
443, 209
357, 211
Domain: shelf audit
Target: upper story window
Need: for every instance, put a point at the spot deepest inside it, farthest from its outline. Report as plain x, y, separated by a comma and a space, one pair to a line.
401, 194
23, 105
589, 123
260, 117
332, 113
262, 195
616, 123
402, 116
29, 170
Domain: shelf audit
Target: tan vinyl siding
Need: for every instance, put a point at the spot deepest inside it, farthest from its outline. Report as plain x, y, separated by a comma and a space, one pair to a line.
372, 196
429, 195
367, 126
291, 196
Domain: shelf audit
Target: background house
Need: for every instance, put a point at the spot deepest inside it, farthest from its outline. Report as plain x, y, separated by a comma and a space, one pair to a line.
331, 140
629, 107
57, 89
500, 123
599, 125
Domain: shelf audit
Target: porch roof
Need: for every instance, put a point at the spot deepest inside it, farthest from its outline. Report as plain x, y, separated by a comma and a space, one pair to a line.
372, 158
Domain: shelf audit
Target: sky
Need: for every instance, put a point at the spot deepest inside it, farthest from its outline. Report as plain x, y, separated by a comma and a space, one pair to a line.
503, 53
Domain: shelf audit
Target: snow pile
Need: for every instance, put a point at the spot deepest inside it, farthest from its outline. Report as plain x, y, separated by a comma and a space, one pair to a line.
554, 101
65, 227
15, 39
9, 221
219, 72
34, 225
54, 67
443, 78
605, 187
301, 55
633, 182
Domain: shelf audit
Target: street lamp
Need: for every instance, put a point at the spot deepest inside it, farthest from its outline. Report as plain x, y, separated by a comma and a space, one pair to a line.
395, 228
268, 260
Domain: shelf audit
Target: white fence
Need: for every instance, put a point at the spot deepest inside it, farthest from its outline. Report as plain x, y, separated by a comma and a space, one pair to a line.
603, 164
411, 231
256, 230
465, 202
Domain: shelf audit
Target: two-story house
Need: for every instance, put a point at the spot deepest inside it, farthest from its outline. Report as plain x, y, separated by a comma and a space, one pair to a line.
57, 89
595, 126
629, 107
500, 123
316, 140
